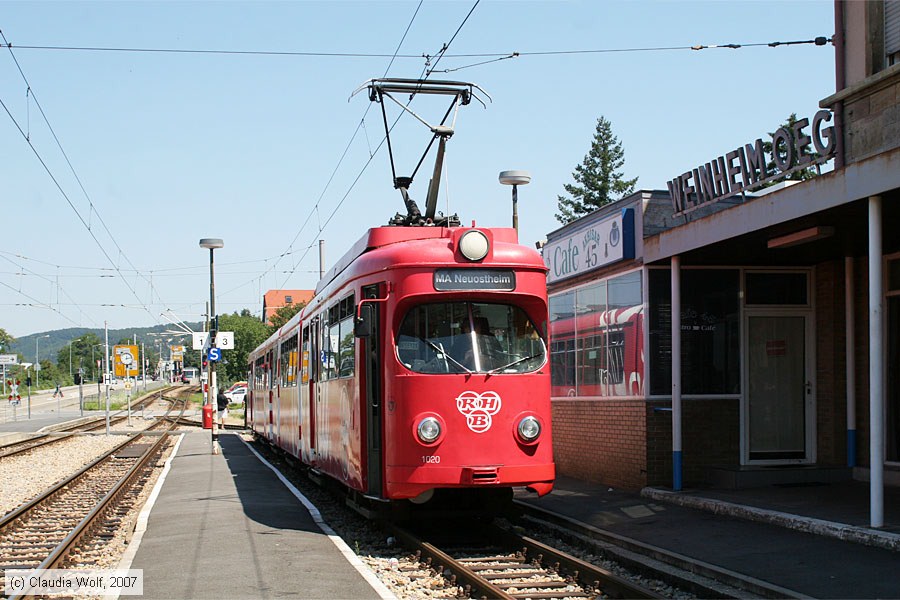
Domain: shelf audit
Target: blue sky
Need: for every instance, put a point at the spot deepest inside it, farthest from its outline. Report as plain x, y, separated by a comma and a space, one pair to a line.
267, 152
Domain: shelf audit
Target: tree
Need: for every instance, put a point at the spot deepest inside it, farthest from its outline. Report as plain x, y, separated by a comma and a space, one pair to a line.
5, 339
249, 332
800, 174
283, 315
84, 354
599, 176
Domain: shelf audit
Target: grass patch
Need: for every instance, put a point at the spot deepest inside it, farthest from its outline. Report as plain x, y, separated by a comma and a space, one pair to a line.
94, 405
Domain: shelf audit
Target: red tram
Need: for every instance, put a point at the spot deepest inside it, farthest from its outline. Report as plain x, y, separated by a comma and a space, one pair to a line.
419, 370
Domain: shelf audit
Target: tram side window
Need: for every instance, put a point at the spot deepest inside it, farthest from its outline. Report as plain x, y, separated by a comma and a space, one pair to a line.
304, 356
289, 362
346, 337
258, 373
330, 339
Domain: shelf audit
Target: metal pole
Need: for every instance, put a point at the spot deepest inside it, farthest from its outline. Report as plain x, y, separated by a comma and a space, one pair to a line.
106, 373
516, 208
29, 394
81, 392
850, 354
213, 393
37, 363
321, 261
676, 372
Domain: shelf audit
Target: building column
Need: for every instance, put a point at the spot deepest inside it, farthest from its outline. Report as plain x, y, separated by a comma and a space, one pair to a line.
876, 367
676, 373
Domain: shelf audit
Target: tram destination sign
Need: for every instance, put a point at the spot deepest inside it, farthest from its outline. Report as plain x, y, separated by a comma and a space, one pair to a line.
451, 280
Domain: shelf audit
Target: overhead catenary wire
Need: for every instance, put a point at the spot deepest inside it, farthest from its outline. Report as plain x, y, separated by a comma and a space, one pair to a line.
443, 53
817, 41
56, 182
315, 209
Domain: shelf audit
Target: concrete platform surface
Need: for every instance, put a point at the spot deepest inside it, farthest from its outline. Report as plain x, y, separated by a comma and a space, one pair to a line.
225, 526
809, 540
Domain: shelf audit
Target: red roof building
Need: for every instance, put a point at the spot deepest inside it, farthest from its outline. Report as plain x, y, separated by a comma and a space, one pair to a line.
275, 299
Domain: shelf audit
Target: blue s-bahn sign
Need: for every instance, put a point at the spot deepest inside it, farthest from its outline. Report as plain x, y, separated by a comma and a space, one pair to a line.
215, 354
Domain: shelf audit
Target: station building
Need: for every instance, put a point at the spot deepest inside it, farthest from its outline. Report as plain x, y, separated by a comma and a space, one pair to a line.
725, 333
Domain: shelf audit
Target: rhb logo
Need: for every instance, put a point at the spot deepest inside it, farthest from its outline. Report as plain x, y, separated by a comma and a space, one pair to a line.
478, 409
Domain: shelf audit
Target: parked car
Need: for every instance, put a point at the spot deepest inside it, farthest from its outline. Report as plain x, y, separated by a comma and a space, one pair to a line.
236, 385
237, 395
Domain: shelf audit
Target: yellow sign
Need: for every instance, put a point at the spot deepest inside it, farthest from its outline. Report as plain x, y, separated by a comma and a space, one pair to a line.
177, 353
127, 361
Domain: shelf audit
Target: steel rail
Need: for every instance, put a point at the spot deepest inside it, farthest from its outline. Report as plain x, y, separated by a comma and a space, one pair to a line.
87, 524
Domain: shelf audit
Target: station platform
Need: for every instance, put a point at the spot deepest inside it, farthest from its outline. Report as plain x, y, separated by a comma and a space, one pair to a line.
225, 526
810, 540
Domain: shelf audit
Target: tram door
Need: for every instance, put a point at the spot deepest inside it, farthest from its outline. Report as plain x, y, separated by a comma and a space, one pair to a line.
371, 367
315, 371
270, 390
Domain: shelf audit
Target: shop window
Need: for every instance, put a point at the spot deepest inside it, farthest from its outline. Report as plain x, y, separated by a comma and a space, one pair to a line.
596, 339
710, 331
776, 288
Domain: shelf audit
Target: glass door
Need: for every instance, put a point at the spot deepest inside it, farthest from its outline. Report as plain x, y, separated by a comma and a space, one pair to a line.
778, 416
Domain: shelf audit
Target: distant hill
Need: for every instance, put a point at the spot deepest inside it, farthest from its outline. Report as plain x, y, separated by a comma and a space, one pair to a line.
49, 347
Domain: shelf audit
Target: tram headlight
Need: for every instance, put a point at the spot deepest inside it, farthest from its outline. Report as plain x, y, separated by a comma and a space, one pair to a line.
474, 244
428, 430
529, 429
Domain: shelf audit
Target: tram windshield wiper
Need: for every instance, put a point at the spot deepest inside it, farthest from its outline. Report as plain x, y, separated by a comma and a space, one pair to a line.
443, 353
513, 363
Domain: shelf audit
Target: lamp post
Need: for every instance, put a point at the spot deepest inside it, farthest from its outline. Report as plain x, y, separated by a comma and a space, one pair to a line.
515, 179
212, 244
37, 360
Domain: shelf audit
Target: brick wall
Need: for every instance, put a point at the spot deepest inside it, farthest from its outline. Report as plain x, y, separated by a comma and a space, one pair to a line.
627, 444
710, 436
603, 441
831, 412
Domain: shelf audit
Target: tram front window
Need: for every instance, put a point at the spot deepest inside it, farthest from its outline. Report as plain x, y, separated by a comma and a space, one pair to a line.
469, 337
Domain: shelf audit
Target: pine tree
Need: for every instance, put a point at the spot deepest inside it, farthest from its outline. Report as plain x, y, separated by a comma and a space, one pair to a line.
599, 176
799, 174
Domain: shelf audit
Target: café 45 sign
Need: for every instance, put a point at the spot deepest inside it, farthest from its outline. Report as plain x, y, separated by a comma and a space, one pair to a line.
591, 246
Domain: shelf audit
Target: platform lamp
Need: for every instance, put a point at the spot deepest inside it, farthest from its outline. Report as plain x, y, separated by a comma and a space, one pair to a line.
212, 244
515, 179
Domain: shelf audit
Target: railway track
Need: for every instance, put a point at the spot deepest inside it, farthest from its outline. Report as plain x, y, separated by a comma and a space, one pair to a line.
91, 425
680, 571
66, 524
489, 561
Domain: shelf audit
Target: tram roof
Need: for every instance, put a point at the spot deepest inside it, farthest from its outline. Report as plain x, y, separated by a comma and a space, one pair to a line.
378, 237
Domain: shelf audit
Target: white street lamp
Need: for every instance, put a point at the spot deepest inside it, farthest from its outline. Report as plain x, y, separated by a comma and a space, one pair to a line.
212, 244
515, 179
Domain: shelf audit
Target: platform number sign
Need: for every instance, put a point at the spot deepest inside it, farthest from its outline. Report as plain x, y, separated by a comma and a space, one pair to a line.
215, 354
